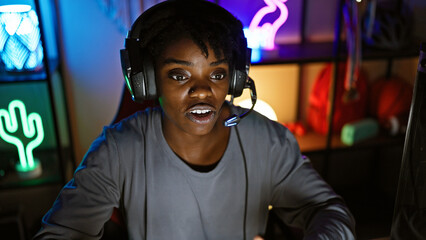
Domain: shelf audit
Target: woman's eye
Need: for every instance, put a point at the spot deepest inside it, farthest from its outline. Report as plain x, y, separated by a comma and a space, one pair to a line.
218, 76
178, 76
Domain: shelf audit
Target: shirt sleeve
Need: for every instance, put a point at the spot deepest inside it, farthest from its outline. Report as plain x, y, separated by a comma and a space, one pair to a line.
87, 201
302, 199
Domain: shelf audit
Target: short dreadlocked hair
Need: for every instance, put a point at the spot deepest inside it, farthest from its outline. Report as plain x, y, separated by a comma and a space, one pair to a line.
200, 20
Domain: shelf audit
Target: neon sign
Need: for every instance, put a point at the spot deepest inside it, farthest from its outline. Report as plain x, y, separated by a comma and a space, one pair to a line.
263, 36
32, 128
20, 43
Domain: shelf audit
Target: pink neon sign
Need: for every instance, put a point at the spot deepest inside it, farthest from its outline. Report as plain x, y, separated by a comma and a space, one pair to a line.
265, 34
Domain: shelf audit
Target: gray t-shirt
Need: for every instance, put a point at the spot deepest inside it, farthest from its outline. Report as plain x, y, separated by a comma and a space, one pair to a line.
131, 166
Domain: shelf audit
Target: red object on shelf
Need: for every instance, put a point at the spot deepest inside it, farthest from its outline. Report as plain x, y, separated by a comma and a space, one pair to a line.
390, 101
344, 111
297, 128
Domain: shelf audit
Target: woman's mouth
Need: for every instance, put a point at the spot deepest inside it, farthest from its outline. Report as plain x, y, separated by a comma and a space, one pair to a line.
201, 114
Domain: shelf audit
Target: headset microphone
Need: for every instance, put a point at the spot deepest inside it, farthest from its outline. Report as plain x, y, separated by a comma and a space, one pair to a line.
235, 119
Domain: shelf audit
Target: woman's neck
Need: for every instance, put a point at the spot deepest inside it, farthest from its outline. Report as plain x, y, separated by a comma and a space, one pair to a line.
205, 149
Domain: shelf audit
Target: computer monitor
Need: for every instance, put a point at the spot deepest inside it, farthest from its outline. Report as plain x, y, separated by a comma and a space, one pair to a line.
409, 219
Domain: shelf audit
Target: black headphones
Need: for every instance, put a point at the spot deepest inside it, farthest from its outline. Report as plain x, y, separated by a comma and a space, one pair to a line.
138, 65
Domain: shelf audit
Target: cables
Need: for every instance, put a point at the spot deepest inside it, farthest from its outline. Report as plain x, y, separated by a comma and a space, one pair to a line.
246, 184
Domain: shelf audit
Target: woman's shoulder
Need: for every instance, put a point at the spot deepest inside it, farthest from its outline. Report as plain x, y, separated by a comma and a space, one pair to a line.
136, 122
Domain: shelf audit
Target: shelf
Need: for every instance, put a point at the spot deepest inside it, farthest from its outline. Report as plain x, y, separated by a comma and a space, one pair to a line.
39, 75
372, 54
297, 53
51, 172
323, 52
311, 142
22, 77
314, 142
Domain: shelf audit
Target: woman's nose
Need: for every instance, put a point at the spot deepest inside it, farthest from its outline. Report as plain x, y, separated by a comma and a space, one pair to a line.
200, 90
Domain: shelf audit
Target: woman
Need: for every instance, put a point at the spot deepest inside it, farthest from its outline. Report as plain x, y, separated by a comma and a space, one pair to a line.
177, 172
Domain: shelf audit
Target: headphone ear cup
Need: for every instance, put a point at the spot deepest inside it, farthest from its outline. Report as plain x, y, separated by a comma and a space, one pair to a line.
240, 73
138, 71
149, 77
127, 69
133, 76
237, 83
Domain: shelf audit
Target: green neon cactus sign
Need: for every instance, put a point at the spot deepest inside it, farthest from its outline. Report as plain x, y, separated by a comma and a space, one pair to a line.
32, 128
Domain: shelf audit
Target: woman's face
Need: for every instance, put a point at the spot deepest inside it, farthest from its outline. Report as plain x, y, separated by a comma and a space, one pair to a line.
192, 88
